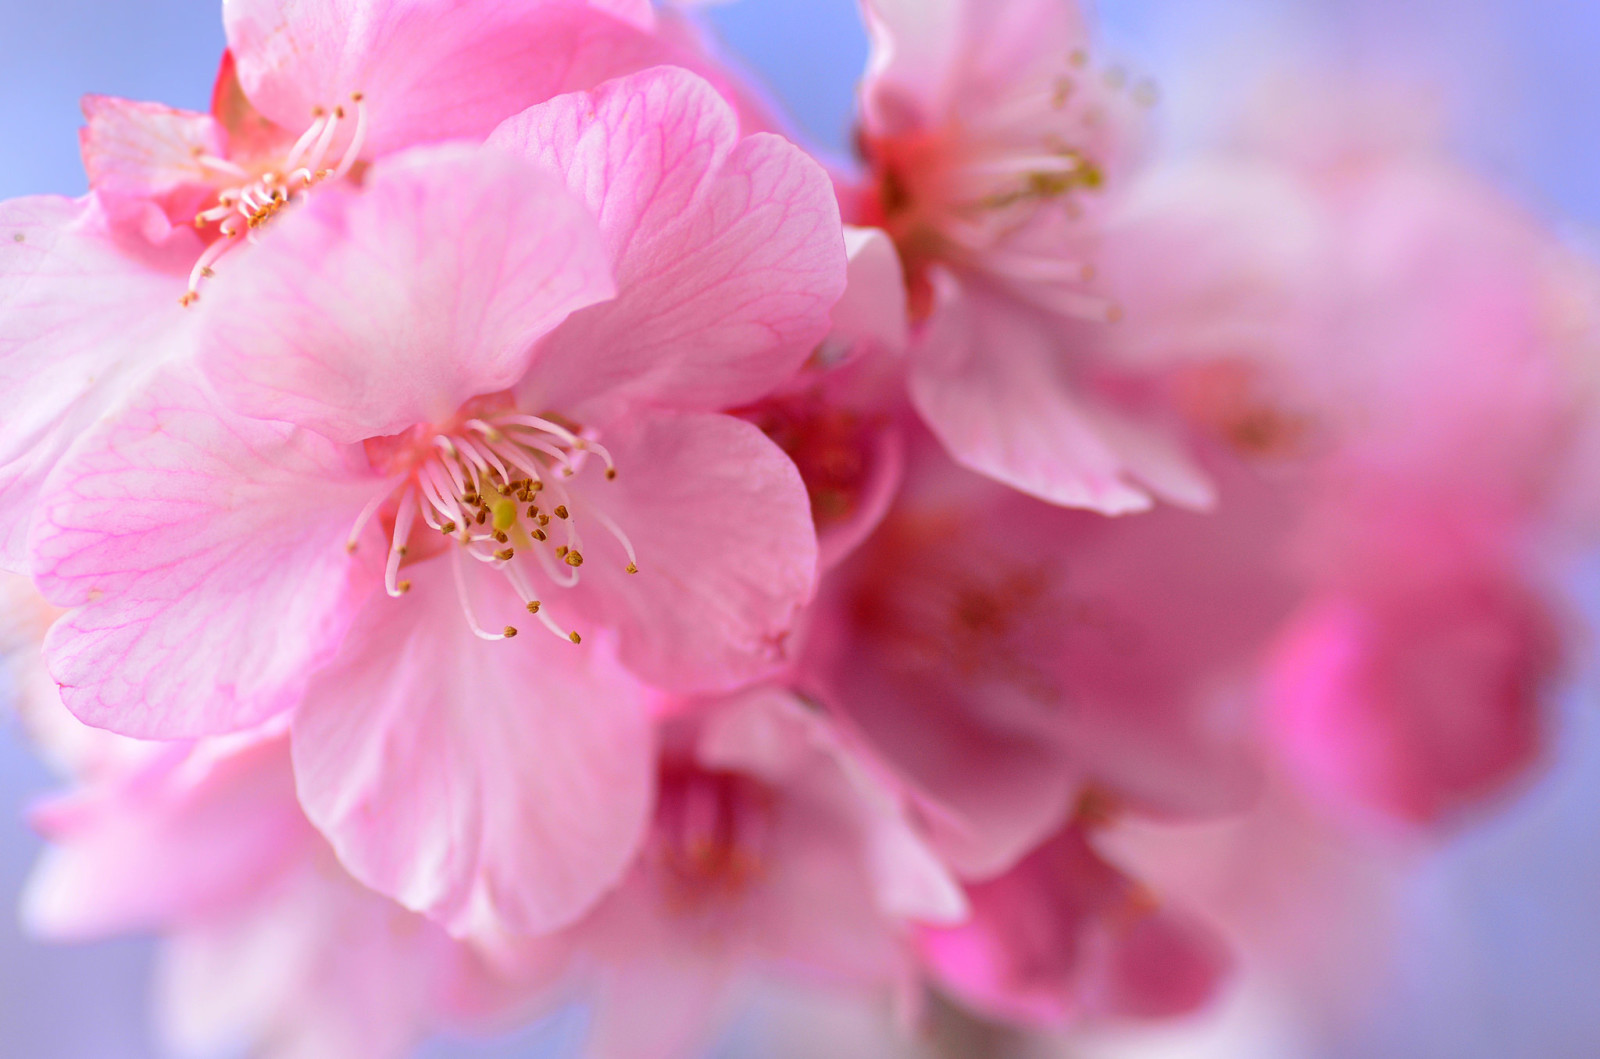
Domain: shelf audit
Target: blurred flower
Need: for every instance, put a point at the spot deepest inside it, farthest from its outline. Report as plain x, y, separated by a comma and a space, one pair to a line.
1406, 355
776, 849
994, 150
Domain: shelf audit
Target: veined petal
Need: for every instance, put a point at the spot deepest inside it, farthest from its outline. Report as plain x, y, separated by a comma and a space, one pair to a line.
205, 556
371, 310
428, 70
494, 786
726, 551
729, 254
143, 159
85, 317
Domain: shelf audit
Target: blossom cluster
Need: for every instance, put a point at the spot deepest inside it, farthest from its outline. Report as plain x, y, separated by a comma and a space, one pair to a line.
496, 524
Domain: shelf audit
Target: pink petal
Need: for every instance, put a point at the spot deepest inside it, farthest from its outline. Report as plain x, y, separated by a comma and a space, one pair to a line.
772, 734
372, 310
726, 551
988, 795
989, 380
492, 786
871, 314
142, 160
639, 12
428, 70
205, 556
728, 253
931, 57
85, 318
1064, 934
1418, 706
317, 966
192, 833
914, 45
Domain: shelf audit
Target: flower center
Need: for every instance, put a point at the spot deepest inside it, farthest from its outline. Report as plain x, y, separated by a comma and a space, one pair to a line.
250, 198
494, 485
712, 834
1001, 191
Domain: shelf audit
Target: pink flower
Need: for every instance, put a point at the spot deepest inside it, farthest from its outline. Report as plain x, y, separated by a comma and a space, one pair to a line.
455, 442
1420, 698
994, 149
1403, 350
777, 849
1065, 935
1005, 655
308, 95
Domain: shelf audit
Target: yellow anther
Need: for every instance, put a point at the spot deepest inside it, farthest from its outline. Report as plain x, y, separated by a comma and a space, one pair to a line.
505, 554
574, 637
533, 606
561, 511
574, 559
511, 630
404, 586
631, 568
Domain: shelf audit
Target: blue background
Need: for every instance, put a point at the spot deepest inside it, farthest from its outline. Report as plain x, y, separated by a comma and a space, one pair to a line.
1502, 954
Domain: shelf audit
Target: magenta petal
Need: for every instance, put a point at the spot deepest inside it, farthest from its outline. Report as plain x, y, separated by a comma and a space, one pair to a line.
496, 786
728, 253
372, 310
85, 318
205, 556
727, 554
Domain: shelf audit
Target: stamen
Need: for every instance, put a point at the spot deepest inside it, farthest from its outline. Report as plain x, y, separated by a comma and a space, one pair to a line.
357, 140
403, 520
466, 606
476, 483
254, 203
221, 165
622, 538
353, 541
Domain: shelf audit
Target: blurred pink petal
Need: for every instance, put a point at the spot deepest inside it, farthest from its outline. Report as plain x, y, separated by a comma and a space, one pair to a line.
994, 153
1064, 934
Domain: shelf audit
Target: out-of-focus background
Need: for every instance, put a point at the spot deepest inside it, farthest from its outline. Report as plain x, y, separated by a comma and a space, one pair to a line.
1499, 954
